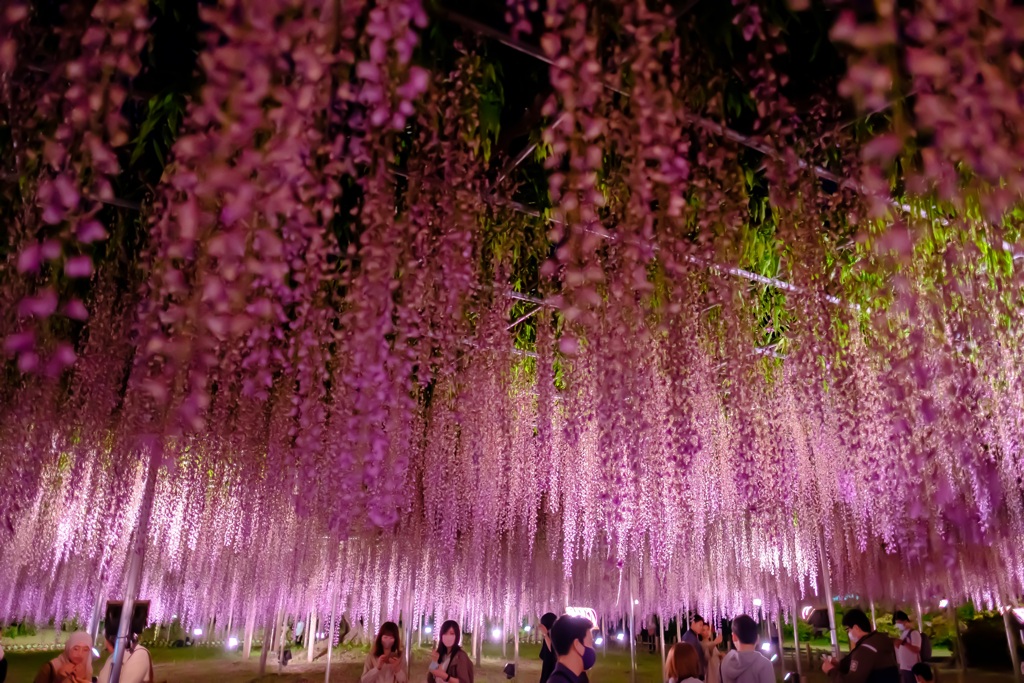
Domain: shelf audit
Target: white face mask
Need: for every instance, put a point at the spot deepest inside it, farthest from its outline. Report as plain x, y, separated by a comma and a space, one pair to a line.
388, 642
901, 628
853, 639
448, 640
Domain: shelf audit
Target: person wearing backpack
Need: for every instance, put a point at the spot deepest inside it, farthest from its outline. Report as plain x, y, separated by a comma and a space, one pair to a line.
908, 646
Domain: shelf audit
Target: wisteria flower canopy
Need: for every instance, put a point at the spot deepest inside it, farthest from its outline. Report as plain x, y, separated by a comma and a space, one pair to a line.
735, 300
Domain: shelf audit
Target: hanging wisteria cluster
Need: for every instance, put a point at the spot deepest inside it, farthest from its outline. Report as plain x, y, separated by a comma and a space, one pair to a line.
336, 356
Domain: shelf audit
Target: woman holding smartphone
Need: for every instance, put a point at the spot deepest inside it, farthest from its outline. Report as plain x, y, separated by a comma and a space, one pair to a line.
384, 662
449, 663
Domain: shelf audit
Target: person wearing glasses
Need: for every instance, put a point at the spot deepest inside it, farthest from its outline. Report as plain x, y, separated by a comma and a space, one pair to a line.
872, 659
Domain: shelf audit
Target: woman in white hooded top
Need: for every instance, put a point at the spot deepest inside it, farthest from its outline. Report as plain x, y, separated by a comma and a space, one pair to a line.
385, 663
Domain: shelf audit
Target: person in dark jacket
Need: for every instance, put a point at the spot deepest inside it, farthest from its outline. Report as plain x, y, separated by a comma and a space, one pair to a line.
548, 658
692, 637
573, 640
873, 658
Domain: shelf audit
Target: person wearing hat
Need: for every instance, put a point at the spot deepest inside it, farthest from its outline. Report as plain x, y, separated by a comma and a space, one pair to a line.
908, 646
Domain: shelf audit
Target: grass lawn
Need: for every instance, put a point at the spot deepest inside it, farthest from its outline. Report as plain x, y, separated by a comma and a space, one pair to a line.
213, 665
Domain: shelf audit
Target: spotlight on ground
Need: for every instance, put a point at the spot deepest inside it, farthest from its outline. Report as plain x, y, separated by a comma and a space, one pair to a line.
197, 631
766, 647
599, 641
428, 630
620, 637
232, 643
943, 603
496, 633
527, 628
757, 602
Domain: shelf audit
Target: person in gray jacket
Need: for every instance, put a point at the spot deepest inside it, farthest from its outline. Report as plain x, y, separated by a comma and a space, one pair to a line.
745, 664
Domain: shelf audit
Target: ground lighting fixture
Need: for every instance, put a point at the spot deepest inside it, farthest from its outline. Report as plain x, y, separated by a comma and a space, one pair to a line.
620, 636
599, 641
232, 643
197, 631
943, 603
496, 633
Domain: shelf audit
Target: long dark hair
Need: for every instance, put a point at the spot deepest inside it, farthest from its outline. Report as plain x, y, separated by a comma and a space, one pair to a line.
449, 625
388, 628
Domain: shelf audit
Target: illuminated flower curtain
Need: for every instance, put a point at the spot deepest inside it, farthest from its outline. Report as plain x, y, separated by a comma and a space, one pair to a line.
361, 365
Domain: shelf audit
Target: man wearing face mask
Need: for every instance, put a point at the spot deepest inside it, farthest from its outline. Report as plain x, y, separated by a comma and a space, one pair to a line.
873, 658
573, 640
908, 647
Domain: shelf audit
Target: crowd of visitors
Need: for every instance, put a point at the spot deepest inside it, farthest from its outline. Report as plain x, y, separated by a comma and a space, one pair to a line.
567, 653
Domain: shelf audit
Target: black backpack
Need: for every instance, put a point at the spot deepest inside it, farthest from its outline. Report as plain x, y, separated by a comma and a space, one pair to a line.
926, 644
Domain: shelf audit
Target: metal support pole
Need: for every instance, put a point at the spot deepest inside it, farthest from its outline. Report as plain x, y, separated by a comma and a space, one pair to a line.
782, 649
311, 635
94, 623
826, 578
920, 612
874, 621
1012, 642
134, 571
660, 634
796, 641
250, 626
679, 628
330, 638
956, 634
268, 637
515, 641
632, 632
478, 637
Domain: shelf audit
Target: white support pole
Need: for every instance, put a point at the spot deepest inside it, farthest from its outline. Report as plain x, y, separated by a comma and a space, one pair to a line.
94, 623
782, 649
515, 641
268, 639
796, 641
632, 632
250, 626
311, 626
1012, 642
920, 613
330, 638
679, 628
134, 570
826, 577
874, 621
661, 641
